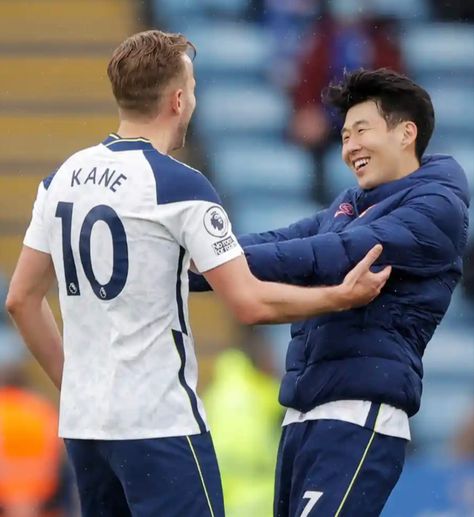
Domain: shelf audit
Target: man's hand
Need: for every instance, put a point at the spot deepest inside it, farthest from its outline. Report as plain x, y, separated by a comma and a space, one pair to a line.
361, 286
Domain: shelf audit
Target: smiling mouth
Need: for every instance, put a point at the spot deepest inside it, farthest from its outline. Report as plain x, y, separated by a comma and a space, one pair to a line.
360, 164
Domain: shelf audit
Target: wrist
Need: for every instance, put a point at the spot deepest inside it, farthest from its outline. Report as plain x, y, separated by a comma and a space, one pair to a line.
338, 299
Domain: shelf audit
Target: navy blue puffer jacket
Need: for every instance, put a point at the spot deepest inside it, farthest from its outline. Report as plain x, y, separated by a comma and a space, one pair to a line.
375, 352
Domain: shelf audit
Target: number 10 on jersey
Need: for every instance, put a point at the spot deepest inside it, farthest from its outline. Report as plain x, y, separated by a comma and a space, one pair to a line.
119, 275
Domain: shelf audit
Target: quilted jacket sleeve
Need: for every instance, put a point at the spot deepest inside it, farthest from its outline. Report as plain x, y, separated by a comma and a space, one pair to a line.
301, 229
423, 236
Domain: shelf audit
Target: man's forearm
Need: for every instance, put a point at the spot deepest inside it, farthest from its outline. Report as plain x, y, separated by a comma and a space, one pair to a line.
39, 330
286, 303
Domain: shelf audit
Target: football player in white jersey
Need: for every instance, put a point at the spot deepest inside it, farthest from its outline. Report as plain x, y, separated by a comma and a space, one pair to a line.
118, 225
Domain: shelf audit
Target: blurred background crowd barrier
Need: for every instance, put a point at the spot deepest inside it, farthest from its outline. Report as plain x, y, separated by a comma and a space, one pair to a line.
272, 151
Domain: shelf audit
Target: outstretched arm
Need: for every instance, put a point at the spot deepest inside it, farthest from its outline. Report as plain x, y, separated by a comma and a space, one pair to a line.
252, 301
303, 228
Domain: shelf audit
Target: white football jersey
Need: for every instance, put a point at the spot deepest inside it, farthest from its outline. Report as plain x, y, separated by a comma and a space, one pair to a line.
122, 222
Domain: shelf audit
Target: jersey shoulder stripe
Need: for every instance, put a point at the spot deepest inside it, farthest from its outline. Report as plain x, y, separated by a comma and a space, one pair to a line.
176, 181
47, 181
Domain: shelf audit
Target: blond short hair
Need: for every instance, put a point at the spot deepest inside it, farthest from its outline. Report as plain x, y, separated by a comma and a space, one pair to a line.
143, 65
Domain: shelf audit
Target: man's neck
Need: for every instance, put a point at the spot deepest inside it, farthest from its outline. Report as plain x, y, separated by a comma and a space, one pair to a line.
409, 166
160, 139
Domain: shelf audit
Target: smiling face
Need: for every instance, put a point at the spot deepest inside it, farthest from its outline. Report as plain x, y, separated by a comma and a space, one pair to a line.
375, 152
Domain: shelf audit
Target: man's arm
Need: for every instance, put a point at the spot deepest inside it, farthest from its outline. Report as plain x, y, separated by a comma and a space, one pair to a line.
252, 301
423, 237
29, 309
303, 228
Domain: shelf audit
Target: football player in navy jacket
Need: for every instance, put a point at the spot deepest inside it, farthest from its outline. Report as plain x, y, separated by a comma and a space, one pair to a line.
353, 378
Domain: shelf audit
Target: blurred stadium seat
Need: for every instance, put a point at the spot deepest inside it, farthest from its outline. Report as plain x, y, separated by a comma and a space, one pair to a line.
448, 382
233, 8
261, 167
432, 488
463, 151
471, 224
174, 12
438, 48
257, 214
230, 49
403, 9
241, 110
454, 108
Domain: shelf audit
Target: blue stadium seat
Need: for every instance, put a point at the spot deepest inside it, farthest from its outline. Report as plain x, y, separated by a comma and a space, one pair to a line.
448, 390
230, 110
279, 336
337, 175
436, 486
250, 214
402, 9
439, 47
471, 224
444, 407
12, 350
454, 108
178, 15
243, 166
230, 49
446, 142
460, 311
450, 353
464, 154
181, 15
462, 149
233, 8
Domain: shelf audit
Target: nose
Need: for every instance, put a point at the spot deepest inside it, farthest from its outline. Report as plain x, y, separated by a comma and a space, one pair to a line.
351, 146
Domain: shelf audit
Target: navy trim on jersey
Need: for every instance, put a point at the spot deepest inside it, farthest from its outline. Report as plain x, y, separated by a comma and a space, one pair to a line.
179, 298
177, 182
115, 143
178, 341
47, 181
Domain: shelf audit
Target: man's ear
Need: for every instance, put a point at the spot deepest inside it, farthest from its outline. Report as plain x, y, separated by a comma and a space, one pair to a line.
410, 132
177, 101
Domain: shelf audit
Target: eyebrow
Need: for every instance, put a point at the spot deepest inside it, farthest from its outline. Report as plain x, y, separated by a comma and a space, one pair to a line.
356, 123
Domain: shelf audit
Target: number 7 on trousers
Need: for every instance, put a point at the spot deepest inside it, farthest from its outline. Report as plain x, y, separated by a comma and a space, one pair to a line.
312, 497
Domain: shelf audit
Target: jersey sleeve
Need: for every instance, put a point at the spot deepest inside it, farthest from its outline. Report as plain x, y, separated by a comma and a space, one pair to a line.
36, 236
190, 209
204, 229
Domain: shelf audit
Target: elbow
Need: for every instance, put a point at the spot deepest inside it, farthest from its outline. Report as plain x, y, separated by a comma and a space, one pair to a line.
14, 303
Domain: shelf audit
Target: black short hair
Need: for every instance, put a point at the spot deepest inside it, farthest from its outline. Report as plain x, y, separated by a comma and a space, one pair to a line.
398, 99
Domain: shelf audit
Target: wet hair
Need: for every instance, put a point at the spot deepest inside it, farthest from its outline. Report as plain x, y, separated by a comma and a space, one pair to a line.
397, 97
143, 65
